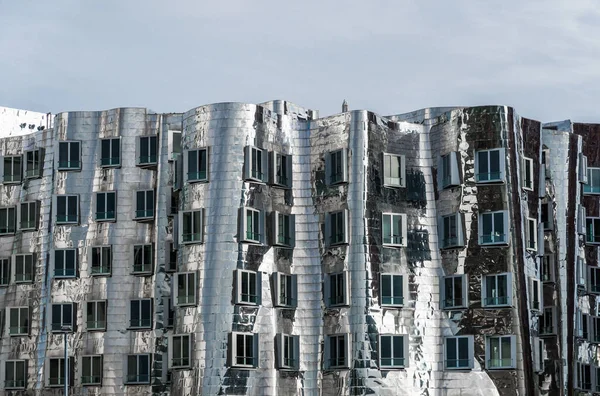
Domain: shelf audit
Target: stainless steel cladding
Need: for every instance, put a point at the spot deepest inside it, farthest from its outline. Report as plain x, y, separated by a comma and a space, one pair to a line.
241, 249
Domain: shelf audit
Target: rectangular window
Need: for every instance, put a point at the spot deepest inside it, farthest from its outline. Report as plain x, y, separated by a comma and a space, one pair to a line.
394, 170
67, 209
101, 260
96, 315
91, 370
284, 228
140, 312
281, 169
394, 229
547, 321
248, 287
489, 166
144, 205
582, 325
500, 352
4, 273
185, 286
595, 329
393, 289
23, 267
110, 152
168, 313
34, 163
69, 155
527, 173
173, 204
106, 205
459, 352
11, 169
497, 290
192, 226
244, 350
536, 294
582, 169
581, 273
147, 150
337, 289
539, 353
452, 231
548, 268
493, 228
593, 230
56, 371
336, 227
18, 321
286, 289
7, 221
594, 279
448, 174
65, 263
15, 374
393, 351
255, 164
180, 349
171, 258
288, 351
593, 181
143, 259
454, 292
28, 215
336, 167
252, 225
532, 232
196, 165
174, 144
138, 369
62, 317
547, 218
338, 351
584, 376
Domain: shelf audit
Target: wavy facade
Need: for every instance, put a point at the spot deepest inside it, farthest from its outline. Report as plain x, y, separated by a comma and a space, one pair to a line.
241, 249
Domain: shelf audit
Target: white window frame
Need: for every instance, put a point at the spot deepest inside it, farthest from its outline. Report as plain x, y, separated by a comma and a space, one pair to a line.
590, 188
593, 279
65, 320
146, 212
60, 260
105, 214
146, 267
174, 144
494, 235
547, 321
197, 234
581, 216
448, 174
592, 228
457, 362
92, 309
15, 174
178, 359
22, 311
336, 167
395, 299
25, 214
94, 362
15, 383
256, 164
248, 278
248, 233
8, 227
67, 219
581, 378
395, 361
548, 268
285, 290
509, 287
448, 240
37, 164
280, 229
581, 273
583, 169
69, 164
527, 174
501, 167
332, 220
114, 159
388, 179
248, 362
456, 302
105, 267
334, 359
141, 321
536, 294
281, 169
22, 260
133, 379
5, 267
198, 176
185, 286
148, 160
488, 352
288, 351
341, 283
397, 237
531, 233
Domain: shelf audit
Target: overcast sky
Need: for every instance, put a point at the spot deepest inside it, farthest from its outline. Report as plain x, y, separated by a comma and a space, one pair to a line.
542, 57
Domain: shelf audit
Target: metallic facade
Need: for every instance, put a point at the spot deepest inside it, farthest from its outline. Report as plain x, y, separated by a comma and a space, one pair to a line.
544, 359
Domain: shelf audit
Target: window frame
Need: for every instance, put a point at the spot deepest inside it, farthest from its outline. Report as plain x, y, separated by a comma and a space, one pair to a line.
20, 277
592, 228
330, 228
30, 225
509, 290
404, 358
594, 329
107, 215
141, 321
197, 176
448, 241
22, 311
68, 220
581, 273
528, 162
149, 208
149, 160
60, 257
388, 180
341, 170
531, 234
37, 165
98, 323
249, 277
197, 235
111, 161
480, 220
342, 282
57, 327
183, 278
488, 348
285, 290
60, 366
233, 356
68, 164
536, 294
16, 383
184, 364
590, 188
170, 265
581, 377
129, 375
5, 272
546, 213
392, 238
280, 169
448, 174
342, 362
470, 353
251, 237
280, 230
501, 166
252, 161
6, 228
391, 303
548, 268
101, 251
593, 279
13, 177
94, 361
145, 268
464, 292
287, 351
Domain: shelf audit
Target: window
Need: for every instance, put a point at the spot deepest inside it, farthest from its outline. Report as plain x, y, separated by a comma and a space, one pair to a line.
284, 229
140, 312
394, 170
489, 166
336, 227
147, 150
281, 169
34, 163
15, 374
593, 181
581, 273
91, 370
493, 228
185, 286
536, 294
286, 289
138, 369
459, 352
69, 155
192, 226
144, 205
11, 172
28, 216
4, 273
532, 235
454, 291
548, 268
174, 143
243, 350
581, 216
500, 352
584, 376
18, 321
196, 165
582, 325
23, 268
180, 350
583, 169
110, 152
393, 289
595, 329
255, 164
338, 351
594, 279
67, 209
168, 313
452, 231
593, 230
547, 218
7, 221
394, 229
248, 287
336, 167
101, 260
62, 317
497, 290
337, 289
171, 254
547, 321
288, 351
393, 351
527, 173
96, 315
539, 355
253, 225
56, 372
448, 171
143, 259
65, 263
106, 204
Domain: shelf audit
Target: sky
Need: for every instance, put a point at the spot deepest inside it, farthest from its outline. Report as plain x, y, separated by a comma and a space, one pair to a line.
391, 57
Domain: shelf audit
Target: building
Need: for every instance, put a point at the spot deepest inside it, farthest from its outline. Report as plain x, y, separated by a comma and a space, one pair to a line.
241, 249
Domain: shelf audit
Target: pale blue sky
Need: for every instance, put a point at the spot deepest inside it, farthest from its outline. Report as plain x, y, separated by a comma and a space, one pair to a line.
542, 57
